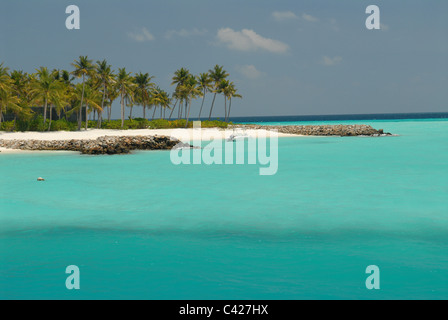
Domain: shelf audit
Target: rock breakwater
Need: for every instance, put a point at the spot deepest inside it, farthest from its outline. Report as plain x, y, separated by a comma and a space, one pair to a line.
322, 130
102, 145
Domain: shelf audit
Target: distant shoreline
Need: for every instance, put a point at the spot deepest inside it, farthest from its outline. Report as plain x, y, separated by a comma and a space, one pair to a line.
92, 141
17, 142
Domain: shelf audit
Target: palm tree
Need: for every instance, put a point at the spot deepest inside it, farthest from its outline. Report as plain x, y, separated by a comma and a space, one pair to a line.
105, 77
177, 97
112, 95
20, 84
64, 80
204, 82
57, 99
125, 86
129, 103
189, 91
157, 100
4, 77
223, 88
163, 101
180, 76
217, 75
47, 90
92, 98
143, 90
231, 92
69, 91
5, 85
83, 67
8, 100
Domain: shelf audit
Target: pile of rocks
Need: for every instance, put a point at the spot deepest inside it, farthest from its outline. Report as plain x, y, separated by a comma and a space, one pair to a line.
322, 130
102, 145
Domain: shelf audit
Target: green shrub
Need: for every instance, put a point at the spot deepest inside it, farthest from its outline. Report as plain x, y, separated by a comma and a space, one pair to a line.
215, 124
166, 124
7, 126
113, 125
36, 124
23, 125
63, 125
138, 123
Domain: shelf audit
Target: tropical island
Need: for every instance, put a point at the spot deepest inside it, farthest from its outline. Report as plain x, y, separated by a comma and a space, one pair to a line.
34, 100
51, 102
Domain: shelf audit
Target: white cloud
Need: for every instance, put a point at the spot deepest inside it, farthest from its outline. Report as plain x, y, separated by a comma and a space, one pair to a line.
142, 35
250, 71
185, 33
327, 61
249, 40
309, 18
284, 15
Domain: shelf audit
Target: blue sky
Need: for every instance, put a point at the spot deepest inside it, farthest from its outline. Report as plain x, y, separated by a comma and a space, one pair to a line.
287, 57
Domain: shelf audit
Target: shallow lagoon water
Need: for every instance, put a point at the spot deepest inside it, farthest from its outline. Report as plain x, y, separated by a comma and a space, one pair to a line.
139, 227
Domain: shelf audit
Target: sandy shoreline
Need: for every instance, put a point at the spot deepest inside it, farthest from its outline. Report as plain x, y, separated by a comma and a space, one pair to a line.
15, 151
184, 135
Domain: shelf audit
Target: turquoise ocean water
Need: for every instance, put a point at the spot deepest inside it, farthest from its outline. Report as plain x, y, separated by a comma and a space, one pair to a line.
139, 227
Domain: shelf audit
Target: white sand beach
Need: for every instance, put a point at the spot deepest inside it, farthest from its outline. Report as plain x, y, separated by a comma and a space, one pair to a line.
184, 135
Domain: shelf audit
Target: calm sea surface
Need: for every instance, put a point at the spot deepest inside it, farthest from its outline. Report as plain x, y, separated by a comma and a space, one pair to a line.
139, 227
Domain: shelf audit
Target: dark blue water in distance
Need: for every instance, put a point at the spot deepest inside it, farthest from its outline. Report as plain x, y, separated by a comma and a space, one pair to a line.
383, 116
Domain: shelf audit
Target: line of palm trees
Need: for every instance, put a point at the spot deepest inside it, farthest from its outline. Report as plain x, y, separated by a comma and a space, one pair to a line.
99, 86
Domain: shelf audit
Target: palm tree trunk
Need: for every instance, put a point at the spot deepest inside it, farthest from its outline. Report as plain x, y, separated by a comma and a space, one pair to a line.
1, 114
45, 111
211, 109
200, 111
154, 113
144, 111
230, 106
80, 108
104, 97
122, 111
130, 114
51, 116
100, 118
109, 110
188, 114
225, 108
87, 115
173, 109
100, 114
